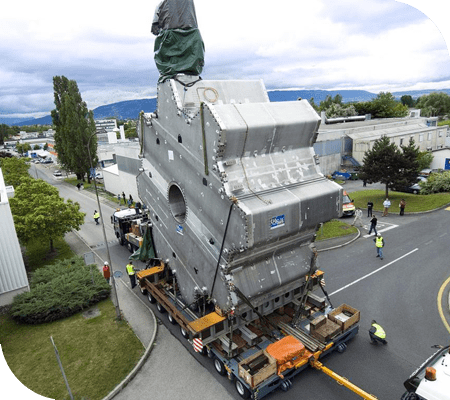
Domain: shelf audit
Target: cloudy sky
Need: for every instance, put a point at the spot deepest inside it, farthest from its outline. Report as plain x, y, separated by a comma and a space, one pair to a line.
376, 45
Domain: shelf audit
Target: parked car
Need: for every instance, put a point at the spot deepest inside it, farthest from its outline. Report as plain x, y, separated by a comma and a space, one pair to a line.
414, 188
47, 161
348, 207
57, 173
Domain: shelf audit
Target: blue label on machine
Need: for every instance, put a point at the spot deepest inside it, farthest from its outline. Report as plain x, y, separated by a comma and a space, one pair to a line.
180, 229
276, 222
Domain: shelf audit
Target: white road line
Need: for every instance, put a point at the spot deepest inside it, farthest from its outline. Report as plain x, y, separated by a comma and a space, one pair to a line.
373, 272
382, 230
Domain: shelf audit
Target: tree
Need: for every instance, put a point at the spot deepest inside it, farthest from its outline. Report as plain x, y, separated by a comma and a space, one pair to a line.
407, 100
434, 104
39, 212
14, 169
74, 125
23, 147
36, 147
425, 158
385, 163
383, 106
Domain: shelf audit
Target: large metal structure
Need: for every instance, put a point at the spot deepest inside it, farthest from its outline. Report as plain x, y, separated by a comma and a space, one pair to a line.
235, 191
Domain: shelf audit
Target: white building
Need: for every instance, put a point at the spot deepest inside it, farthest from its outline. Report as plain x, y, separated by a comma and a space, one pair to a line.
13, 276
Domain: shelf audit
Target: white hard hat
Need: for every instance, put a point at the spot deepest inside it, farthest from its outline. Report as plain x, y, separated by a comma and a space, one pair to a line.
106, 263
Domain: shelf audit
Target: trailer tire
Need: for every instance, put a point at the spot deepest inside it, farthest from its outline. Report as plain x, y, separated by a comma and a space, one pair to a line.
184, 332
220, 368
241, 389
143, 290
130, 247
121, 241
341, 348
150, 298
171, 319
160, 308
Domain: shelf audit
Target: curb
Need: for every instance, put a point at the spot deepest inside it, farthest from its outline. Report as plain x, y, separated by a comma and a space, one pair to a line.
138, 366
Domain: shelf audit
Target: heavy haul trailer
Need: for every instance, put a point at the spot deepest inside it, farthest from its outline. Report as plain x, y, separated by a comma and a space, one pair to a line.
235, 195
265, 354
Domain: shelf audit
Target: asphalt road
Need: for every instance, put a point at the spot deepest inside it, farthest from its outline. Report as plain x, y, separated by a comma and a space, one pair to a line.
404, 292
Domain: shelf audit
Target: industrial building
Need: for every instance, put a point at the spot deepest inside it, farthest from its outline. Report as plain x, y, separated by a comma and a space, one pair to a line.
13, 276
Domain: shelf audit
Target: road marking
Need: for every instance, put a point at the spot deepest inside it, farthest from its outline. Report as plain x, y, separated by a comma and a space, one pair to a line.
439, 303
388, 228
374, 272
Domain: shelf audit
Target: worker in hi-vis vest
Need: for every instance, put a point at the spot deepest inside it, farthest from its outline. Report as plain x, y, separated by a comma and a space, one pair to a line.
377, 333
131, 274
379, 243
96, 217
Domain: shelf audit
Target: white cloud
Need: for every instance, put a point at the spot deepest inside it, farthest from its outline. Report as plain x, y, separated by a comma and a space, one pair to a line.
108, 49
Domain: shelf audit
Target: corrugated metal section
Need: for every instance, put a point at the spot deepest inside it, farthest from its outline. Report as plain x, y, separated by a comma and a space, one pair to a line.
12, 269
328, 147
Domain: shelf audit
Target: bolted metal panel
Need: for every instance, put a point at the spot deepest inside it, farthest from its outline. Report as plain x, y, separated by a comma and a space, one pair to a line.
218, 152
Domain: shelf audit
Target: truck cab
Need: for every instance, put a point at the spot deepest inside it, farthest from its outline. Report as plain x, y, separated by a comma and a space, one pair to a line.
128, 226
431, 381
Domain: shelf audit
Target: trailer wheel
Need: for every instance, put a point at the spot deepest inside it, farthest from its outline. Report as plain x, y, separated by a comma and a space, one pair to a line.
184, 333
150, 298
341, 348
143, 290
241, 389
130, 247
171, 319
121, 241
409, 396
220, 368
160, 308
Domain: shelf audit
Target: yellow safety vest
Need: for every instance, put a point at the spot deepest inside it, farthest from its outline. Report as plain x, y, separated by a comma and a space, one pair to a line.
96, 215
379, 331
379, 242
130, 269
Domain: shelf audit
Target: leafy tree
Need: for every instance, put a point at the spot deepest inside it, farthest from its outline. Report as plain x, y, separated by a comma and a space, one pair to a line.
39, 212
74, 125
14, 169
23, 147
434, 104
36, 147
45, 146
385, 163
383, 106
425, 158
407, 100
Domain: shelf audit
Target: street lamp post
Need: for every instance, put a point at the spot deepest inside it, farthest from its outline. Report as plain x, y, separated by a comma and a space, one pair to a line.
113, 283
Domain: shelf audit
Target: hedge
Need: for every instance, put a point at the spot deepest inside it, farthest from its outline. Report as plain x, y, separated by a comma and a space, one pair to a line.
59, 291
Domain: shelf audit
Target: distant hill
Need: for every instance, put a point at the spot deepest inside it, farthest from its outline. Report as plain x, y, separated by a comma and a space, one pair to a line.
130, 109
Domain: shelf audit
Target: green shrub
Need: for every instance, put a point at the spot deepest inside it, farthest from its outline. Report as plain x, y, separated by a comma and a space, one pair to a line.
60, 290
436, 183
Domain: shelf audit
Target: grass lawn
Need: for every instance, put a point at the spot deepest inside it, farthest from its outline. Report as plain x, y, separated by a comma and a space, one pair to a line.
96, 353
414, 202
336, 228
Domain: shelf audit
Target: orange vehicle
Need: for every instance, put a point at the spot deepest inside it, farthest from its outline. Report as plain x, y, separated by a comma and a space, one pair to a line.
348, 208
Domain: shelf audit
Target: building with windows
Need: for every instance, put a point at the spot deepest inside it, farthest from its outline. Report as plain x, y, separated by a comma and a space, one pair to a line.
343, 145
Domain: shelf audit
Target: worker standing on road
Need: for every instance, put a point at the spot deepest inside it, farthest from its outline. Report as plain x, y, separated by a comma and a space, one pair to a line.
379, 243
377, 333
369, 208
386, 205
106, 271
373, 225
402, 206
358, 216
96, 217
131, 274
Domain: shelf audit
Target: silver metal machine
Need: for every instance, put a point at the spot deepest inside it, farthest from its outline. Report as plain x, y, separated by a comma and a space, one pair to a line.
234, 190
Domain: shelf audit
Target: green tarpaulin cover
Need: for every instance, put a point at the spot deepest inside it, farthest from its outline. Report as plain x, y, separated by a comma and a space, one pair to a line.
146, 251
179, 51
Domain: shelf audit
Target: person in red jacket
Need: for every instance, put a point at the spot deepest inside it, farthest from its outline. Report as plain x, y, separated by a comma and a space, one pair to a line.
106, 271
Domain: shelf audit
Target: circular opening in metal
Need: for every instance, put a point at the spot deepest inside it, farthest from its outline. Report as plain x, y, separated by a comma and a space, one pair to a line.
177, 204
